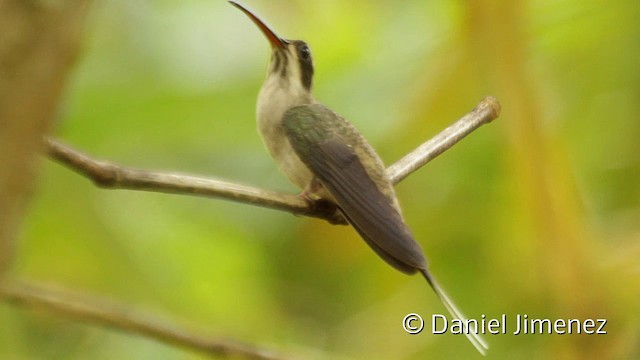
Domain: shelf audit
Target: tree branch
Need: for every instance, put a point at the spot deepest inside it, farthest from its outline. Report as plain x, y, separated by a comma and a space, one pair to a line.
110, 315
112, 176
485, 112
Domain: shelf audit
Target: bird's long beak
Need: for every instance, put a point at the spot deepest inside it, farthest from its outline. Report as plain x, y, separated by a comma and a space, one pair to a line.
275, 40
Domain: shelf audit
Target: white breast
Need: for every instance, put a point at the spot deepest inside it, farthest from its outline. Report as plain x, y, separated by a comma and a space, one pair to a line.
277, 96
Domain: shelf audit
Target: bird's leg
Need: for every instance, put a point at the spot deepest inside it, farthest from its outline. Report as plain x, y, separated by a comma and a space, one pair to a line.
314, 195
312, 192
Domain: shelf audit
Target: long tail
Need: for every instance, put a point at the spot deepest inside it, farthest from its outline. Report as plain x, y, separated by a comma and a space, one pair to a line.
472, 334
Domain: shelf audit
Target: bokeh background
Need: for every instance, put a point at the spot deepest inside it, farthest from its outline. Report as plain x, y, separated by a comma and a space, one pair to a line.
537, 213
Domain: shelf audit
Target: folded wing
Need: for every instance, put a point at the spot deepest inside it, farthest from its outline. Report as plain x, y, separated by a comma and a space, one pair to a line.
326, 145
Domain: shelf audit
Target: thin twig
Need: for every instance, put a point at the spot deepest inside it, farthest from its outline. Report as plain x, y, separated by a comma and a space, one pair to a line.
485, 112
99, 312
112, 176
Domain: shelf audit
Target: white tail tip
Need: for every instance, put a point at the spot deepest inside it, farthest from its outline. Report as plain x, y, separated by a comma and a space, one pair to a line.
472, 333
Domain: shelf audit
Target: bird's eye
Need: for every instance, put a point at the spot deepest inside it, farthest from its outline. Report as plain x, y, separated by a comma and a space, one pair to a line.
305, 53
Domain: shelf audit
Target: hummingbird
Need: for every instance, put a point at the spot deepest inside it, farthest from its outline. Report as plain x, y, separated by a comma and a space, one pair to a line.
327, 157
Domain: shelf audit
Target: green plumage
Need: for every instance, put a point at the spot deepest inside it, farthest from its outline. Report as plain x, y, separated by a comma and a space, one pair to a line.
309, 126
354, 176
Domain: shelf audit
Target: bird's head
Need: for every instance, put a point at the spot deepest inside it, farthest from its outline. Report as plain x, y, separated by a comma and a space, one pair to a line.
291, 60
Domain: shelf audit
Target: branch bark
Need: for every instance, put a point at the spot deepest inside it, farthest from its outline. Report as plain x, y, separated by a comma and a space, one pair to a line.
118, 317
108, 175
485, 112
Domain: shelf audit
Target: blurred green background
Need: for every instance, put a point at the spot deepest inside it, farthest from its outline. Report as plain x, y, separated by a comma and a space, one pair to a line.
537, 213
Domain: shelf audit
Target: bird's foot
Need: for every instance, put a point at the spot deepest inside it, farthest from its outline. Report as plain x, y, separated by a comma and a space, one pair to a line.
330, 211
